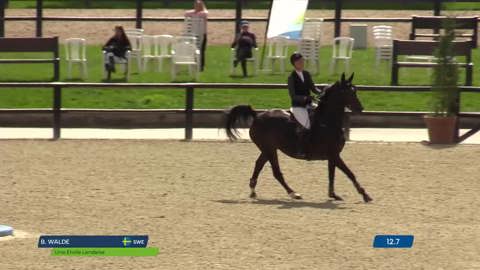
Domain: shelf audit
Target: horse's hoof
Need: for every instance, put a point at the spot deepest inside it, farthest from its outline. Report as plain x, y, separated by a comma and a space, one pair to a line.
335, 197
253, 195
367, 198
295, 196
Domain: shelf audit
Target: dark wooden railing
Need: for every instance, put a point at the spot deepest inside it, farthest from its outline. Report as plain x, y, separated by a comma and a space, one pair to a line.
39, 30
139, 18
189, 89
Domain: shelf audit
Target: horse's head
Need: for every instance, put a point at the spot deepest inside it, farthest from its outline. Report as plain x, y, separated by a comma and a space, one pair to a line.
343, 93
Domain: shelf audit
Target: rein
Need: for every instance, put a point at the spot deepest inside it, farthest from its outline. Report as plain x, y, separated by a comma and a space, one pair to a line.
319, 117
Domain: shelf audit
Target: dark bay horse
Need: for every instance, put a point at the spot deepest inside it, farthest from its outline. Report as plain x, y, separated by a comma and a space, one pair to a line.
274, 130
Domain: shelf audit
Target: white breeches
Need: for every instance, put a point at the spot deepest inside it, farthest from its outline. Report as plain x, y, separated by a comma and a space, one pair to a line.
116, 59
301, 114
106, 57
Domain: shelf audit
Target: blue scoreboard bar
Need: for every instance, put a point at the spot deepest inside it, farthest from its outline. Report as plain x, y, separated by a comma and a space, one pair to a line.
91, 241
393, 241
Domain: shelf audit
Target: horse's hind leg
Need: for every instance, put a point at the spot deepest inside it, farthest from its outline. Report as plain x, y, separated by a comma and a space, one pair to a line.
331, 181
261, 160
343, 167
273, 158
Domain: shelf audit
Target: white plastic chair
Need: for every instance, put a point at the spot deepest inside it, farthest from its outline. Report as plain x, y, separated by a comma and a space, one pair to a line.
75, 49
185, 53
184, 39
312, 28
383, 50
310, 48
136, 41
383, 41
123, 62
383, 33
195, 27
134, 31
148, 50
163, 49
253, 60
382, 28
342, 51
277, 51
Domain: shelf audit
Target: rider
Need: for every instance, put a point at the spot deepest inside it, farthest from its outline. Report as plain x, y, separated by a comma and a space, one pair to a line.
300, 85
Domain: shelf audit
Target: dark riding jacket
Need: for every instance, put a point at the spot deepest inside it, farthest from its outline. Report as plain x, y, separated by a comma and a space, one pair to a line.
299, 89
117, 46
244, 42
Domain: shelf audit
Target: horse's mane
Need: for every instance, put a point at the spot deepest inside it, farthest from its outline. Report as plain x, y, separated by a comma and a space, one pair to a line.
328, 92
319, 111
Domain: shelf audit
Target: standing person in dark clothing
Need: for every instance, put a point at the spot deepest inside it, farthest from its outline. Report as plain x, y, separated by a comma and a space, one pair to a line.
200, 11
244, 42
117, 46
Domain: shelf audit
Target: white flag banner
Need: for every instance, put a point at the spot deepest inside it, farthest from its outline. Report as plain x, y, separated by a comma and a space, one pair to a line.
286, 18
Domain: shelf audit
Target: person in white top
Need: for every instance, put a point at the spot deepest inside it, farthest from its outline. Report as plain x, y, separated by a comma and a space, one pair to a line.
200, 11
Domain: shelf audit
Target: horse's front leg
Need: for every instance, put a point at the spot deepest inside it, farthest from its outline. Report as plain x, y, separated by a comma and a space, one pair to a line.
343, 167
273, 158
331, 181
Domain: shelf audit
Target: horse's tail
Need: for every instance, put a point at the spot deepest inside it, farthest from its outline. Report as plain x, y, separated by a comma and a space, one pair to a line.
236, 115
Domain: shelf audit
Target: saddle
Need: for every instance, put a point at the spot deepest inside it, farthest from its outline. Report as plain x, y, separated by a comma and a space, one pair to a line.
294, 120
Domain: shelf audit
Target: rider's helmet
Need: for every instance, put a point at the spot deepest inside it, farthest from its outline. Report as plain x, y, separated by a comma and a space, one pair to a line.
295, 57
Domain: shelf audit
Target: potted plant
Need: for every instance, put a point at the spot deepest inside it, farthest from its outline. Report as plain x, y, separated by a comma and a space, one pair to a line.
442, 123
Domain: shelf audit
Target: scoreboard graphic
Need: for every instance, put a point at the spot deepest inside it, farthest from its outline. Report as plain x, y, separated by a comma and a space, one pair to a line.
97, 245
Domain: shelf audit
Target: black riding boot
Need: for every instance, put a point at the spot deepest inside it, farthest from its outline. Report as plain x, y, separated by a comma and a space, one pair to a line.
244, 68
303, 141
109, 71
111, 63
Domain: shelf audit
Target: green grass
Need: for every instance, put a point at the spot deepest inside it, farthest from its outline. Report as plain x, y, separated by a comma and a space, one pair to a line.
462, 6
257, 4
217, 70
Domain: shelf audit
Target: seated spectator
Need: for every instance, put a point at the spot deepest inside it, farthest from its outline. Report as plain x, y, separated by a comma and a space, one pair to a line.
117, 46
244, 42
